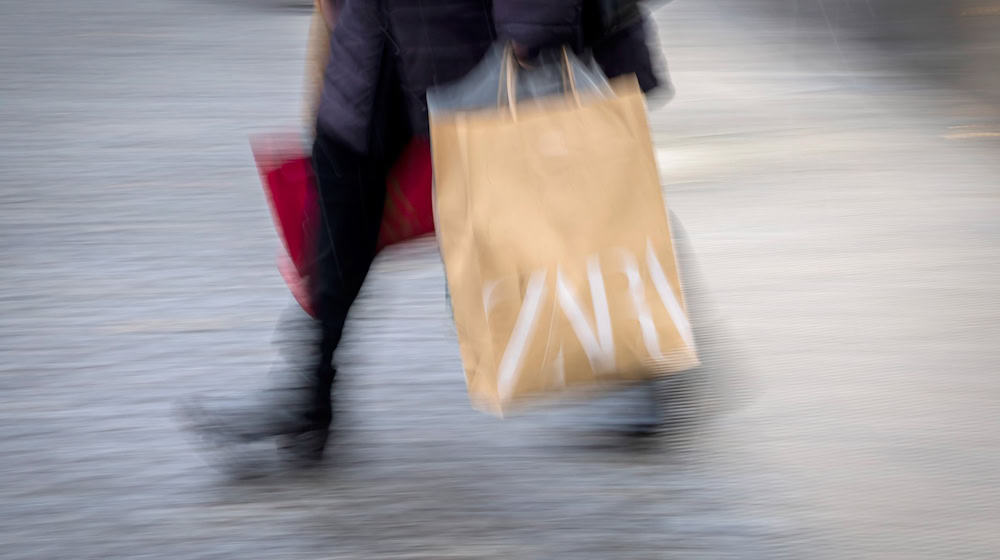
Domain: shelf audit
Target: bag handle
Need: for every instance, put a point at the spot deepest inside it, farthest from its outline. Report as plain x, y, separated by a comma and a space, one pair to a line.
508, 78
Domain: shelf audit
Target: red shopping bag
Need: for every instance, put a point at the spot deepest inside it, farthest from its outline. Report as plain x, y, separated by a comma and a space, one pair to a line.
286, 172
408, 210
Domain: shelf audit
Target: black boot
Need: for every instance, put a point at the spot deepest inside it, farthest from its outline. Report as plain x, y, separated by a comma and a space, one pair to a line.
296, 411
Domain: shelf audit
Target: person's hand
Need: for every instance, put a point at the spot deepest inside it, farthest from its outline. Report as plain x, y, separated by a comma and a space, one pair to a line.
524, 55
330, 10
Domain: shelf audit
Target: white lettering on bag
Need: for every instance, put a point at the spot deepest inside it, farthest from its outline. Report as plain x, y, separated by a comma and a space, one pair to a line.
524, 327
667, 296
600, 348
596, 337
644, 314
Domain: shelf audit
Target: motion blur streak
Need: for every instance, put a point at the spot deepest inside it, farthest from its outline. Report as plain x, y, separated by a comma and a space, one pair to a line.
834, 162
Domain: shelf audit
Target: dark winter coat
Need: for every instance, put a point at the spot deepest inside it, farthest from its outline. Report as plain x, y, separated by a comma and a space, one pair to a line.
431, 42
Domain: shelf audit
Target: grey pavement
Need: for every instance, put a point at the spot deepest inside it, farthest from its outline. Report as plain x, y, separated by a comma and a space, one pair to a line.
844, 213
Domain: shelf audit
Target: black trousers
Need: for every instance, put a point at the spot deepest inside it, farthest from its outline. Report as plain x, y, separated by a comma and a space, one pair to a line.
351, 189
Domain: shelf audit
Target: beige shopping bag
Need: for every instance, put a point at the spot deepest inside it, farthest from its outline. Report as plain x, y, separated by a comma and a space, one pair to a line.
556, 244
324, 18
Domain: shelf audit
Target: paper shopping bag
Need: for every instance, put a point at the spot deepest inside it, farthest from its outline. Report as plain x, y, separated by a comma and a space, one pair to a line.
556, 244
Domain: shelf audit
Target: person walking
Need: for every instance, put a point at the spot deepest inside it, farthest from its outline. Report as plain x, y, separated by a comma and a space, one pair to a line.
381, 58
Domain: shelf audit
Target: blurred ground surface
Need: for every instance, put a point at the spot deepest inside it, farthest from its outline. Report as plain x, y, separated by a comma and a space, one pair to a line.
844, 211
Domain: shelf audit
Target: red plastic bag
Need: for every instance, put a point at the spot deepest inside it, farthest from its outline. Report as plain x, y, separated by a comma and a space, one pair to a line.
408, 210
286, 172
